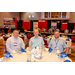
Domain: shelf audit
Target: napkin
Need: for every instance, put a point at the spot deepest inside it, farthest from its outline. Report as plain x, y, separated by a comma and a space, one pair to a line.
22, 50
21, 35
10, 35
67, 39
46, 37
25, 34
67, 60
50, 38
62, 53
4, 34
8, 55
50, 50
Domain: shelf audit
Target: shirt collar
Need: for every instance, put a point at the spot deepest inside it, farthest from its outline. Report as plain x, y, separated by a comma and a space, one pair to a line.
57, 39
14, 37
36, 38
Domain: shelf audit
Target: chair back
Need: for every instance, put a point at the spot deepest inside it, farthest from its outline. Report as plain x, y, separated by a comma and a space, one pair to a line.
22, 37
5, 38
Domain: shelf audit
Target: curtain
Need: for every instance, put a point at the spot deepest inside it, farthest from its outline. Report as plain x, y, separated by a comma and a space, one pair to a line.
26, 24
15, 23
42, 24
74, 25
64, 26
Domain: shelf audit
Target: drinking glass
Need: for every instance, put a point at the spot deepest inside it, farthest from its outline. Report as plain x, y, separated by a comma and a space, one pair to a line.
29, 54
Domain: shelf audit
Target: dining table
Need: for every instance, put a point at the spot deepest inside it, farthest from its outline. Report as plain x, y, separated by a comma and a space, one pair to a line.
46, 57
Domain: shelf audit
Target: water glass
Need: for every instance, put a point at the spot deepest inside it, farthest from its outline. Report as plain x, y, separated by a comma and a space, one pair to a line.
29, 55
19, 50
6, 59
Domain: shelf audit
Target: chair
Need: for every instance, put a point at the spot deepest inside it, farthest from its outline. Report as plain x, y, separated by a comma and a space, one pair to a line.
44, 36
66, 31
73, 38
5, 49
28, 34
50, 30
43, 30
45, 43
5, 38
22, 37
58, 30
73, 31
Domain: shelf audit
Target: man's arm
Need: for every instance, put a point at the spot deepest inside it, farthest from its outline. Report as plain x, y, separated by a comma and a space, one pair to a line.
30, 43
65, 50
8, 45
23, 45
64, 46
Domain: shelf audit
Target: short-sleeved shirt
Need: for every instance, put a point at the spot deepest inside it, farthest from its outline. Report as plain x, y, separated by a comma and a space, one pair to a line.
60, 43
35, 42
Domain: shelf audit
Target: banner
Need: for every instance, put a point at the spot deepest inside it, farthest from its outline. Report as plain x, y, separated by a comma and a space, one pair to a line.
35, 25
9, 23
64, 26
54, 26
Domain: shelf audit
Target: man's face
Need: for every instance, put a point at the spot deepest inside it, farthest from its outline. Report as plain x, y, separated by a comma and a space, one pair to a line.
56, 34
36, 33
15, 34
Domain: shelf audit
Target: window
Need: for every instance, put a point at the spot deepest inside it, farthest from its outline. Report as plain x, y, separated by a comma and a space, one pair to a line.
55, 14
63, 14
46, 14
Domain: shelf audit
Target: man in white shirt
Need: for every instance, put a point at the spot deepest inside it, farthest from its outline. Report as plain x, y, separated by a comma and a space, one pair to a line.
14, 42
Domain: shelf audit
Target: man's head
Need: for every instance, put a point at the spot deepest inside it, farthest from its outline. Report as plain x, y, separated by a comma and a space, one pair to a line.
56, 34
36, 32
15, 33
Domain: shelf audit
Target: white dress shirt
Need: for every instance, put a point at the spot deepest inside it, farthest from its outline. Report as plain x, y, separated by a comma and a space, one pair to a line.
13, 43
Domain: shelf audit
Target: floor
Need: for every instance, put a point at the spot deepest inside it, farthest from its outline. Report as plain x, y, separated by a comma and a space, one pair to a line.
72, 55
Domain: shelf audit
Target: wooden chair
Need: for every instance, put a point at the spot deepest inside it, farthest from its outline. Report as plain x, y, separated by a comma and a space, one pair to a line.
44, 36
1, 48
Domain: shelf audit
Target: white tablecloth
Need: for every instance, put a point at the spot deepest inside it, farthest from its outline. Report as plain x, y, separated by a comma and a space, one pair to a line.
46, 57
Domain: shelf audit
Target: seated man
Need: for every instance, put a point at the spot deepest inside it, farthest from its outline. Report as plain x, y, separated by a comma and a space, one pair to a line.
36, 40
58, 43
14, 42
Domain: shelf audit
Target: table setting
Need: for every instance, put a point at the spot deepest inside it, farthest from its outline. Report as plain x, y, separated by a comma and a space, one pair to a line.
37, 54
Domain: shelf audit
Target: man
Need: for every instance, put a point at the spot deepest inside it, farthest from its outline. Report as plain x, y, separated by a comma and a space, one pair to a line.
58, 43
36, 40
14, 42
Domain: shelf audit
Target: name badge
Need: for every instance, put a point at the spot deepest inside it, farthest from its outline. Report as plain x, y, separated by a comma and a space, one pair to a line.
15, 43
56, 47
